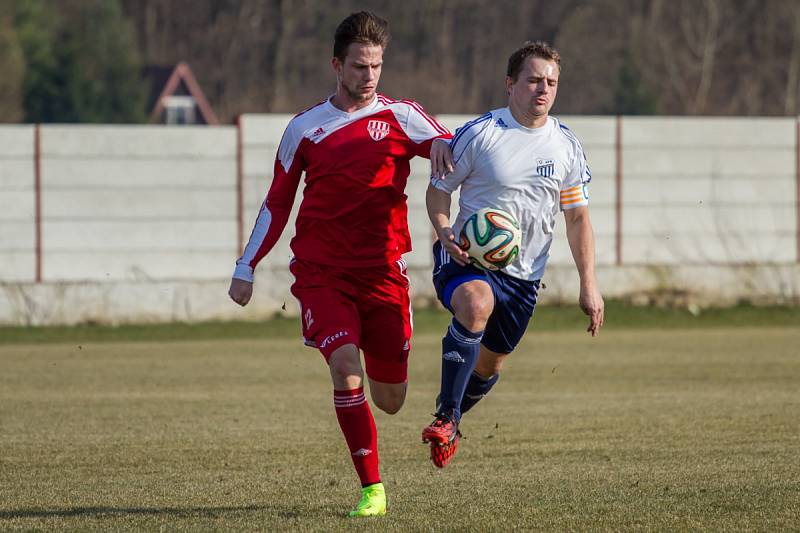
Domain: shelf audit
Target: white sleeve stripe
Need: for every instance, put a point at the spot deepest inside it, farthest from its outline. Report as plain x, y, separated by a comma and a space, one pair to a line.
285, 153
258, 235
466, 127
571, 136
438, 127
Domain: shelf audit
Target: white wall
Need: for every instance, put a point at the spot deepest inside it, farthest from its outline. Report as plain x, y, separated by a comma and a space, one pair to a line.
140, 223
137, 202
17, 204
709, 190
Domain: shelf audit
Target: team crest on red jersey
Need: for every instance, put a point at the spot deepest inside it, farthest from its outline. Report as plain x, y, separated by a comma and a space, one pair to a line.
378, 129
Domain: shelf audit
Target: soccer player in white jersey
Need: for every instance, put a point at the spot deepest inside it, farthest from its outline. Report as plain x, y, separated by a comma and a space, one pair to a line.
521, 160
351, 232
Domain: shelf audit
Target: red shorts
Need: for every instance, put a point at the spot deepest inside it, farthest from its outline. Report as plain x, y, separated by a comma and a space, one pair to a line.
368, 307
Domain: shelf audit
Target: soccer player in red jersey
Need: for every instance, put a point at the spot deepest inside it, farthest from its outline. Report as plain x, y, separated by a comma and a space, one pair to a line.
351, 232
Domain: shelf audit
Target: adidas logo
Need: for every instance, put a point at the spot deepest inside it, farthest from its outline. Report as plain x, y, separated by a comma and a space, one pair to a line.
363, 452
500, 123
453, 356
318, 132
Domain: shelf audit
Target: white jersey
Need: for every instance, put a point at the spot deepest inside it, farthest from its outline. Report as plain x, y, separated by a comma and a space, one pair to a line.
529, 172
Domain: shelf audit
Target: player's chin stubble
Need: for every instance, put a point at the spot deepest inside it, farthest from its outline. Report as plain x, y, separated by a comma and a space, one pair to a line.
359, 96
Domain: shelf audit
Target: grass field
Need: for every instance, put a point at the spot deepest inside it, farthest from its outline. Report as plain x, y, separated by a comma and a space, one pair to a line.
664, 423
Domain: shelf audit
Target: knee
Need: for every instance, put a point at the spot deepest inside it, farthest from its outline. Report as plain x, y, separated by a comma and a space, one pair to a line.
473, 306
341, 370
345, 366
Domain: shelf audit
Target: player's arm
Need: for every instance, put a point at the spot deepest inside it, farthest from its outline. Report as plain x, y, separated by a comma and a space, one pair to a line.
270, 223
581, 243
458, 154
438, 204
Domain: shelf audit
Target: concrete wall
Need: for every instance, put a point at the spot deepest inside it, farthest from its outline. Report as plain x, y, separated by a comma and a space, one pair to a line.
17, 205
137, 202
709, 190
141, 223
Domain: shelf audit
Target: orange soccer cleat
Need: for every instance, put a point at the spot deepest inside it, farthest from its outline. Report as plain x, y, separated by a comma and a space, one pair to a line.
443, 436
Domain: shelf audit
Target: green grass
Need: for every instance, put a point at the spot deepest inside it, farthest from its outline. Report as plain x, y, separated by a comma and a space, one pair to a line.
684, 428
619, 316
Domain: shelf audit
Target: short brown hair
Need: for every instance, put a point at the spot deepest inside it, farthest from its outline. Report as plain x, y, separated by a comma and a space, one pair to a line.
531, 49
362, 27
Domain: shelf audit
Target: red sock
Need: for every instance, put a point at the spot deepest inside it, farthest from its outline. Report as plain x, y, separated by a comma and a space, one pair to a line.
358, 426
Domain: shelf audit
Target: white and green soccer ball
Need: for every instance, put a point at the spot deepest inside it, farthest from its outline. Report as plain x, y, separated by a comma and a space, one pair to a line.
491, 237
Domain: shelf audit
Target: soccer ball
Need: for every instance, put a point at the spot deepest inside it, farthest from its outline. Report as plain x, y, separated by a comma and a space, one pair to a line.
491, 237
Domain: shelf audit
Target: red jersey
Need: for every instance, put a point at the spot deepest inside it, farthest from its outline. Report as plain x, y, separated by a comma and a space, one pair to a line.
354, 209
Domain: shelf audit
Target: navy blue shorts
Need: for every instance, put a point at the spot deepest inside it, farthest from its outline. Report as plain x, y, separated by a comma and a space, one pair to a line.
514, 299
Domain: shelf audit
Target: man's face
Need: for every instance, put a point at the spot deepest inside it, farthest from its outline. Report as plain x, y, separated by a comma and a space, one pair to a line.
358, 75
534, 92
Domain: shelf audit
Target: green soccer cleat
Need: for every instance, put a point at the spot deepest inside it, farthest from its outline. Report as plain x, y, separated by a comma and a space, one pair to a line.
373, 501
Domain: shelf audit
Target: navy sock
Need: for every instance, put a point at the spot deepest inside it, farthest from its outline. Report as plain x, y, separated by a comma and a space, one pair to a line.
460, 349
477, 388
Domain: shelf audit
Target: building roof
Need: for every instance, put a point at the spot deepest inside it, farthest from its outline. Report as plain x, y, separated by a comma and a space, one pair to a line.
176, 81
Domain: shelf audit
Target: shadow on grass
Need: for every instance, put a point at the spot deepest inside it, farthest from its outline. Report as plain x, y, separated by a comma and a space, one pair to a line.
99, 511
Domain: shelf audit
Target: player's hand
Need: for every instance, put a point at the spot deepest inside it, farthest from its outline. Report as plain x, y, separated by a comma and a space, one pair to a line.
441, 158
241, 291
592, 304
448, 240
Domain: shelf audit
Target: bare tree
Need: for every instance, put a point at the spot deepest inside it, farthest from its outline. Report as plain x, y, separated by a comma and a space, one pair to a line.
694, 56
792, 12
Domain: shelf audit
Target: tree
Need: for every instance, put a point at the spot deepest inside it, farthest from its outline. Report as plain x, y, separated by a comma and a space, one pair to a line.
101, 63
631, 96
82, 62
35, 31
720, 57
791, 11
12, 65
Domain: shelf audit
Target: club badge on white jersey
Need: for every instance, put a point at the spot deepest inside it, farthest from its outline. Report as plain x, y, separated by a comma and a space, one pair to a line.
545, 167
